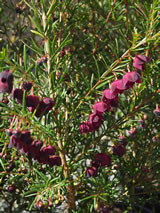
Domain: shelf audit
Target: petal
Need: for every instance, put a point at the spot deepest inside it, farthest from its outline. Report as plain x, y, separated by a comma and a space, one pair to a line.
143, 58
100, 107
138, 66
138, 61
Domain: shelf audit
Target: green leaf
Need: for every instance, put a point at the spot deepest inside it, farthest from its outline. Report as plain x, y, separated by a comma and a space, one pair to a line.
36, 24
52, 7
25, 57
37, 33
41, 175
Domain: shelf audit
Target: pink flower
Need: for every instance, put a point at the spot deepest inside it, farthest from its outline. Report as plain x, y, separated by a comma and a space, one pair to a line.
85, 127
101, 159
157, 111
100, 107
139, 61
130, 78
117, 86
91, 172
110, 98
6, 81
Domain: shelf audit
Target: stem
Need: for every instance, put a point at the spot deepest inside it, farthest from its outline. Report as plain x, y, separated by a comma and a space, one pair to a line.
69, 187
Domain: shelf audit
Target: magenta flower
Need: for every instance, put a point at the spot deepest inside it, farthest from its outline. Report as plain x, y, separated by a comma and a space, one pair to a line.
46, 105
6, 82
91, 172
139, 61
117, 86
130, 78
12, 141
100, 107
101, 159
132, 131
85, 127
95, 121
110, 98
157, 111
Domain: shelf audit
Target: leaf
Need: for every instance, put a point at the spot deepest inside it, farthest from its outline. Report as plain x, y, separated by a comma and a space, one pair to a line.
41, 175
25, 57
52, 7
37, 33
36, 24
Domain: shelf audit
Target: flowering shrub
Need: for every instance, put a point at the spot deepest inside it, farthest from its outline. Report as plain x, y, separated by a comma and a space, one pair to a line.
79, 104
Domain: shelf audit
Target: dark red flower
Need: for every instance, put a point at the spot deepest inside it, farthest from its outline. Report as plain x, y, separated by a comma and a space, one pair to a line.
11, 188
100, 107
49, 150
45, 154
25, 135
95, 121
119, 150
54, 160
130, 78
32, 102
110, 98
18, 95
91, 172
123, 141
27, 86
46, 105
35, 149
101, 159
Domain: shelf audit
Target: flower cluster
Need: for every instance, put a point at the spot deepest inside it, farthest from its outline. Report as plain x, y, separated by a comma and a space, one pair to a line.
6, 81
35, 149
33, 103
103, 159
110, 96
100, 159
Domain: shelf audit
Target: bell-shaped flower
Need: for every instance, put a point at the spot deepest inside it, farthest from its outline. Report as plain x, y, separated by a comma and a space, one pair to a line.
117, 87
110, 98
100, 107
130, 78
